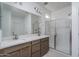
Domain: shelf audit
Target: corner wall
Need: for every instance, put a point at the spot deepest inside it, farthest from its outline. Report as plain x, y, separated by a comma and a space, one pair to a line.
75, 29
62, 13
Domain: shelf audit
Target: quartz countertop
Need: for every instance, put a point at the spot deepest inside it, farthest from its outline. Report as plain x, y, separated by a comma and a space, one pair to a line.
9, 43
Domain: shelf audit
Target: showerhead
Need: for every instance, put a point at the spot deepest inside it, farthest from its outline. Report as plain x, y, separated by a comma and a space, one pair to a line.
45, 3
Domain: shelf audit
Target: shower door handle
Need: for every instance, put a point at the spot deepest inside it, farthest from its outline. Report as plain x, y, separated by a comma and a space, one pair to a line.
54, 36
55, 41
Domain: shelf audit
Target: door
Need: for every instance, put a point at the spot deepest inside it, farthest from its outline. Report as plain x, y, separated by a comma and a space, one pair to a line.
50, 30
59, 31
63, 35
52, 34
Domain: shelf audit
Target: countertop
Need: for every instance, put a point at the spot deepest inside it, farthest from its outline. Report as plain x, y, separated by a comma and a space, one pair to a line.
9, 43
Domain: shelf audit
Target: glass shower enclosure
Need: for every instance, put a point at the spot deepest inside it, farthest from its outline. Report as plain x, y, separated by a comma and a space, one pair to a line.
60, 34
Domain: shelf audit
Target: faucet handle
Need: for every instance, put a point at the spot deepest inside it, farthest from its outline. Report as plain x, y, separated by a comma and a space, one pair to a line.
13, 33
16, 36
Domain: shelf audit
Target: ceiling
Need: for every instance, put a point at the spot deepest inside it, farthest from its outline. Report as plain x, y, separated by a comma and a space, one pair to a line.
54, 6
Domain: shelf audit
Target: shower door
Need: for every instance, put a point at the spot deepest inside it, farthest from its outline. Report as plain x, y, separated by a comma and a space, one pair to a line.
50, 30
63, 35
59, 31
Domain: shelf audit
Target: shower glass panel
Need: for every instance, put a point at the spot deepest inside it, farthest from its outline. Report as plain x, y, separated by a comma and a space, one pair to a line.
63, 35
60, 34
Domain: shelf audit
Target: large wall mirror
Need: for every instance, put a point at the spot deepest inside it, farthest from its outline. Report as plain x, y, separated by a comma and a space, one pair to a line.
13, 21
19, 22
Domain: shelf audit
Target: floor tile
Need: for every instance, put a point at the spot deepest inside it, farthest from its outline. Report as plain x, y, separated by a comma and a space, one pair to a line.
55, 53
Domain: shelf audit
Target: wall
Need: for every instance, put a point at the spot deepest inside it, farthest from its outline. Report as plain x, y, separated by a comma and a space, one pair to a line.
62, 13
43, 19
75, 29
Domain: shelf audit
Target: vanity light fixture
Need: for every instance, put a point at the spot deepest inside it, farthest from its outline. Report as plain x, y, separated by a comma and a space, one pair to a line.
37, 10
47, 16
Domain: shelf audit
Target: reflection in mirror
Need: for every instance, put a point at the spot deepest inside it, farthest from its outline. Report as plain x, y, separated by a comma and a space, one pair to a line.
16, 22
35, 24
18, 18
6, 20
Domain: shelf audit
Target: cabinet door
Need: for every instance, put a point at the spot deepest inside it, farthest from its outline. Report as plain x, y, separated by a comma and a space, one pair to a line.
44, 46
36, 54
26, 52
35, 48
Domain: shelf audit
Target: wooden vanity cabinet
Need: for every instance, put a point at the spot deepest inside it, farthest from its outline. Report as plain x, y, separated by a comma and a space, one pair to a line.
21, 50
44, 46
36, 48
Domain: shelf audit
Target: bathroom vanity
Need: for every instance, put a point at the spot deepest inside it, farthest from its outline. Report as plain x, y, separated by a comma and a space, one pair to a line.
33, 47
16, 39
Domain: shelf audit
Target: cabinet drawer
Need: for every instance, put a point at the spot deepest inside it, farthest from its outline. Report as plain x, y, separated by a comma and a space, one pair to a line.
44, 47
35, 47
35, 42
36, 54
45, 39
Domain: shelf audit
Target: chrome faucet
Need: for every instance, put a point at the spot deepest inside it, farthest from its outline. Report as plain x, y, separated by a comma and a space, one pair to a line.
15, 37
38, 31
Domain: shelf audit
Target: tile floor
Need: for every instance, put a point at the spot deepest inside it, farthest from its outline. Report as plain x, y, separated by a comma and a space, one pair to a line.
55, 53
